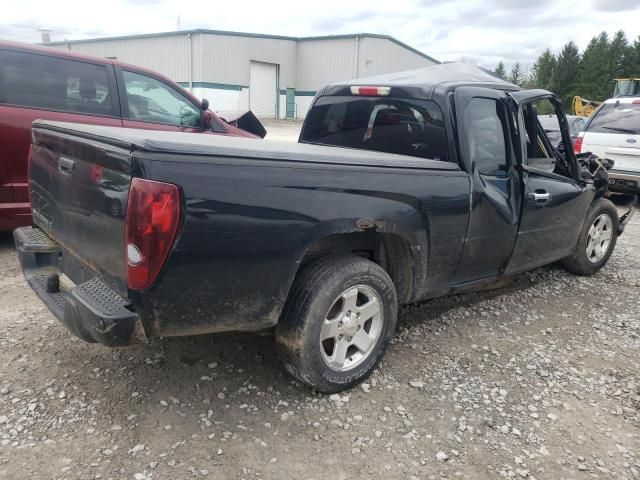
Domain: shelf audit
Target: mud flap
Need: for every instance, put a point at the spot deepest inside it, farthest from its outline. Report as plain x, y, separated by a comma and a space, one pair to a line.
624, 219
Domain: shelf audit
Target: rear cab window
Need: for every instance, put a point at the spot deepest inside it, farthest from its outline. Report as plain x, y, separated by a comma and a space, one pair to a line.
393, 125
50, 83
619, 117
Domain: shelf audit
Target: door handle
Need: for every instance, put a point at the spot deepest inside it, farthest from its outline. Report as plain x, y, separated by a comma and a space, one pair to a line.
65, 165
540, 196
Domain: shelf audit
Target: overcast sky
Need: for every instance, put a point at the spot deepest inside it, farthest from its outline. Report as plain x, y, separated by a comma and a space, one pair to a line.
484, 31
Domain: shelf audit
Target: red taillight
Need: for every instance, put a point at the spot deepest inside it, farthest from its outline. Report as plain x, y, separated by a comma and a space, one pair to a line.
636, 102
153, 216
577, 146
371, 91
96, 173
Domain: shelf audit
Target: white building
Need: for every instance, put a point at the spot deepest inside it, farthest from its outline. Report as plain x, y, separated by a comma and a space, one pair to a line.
274, 76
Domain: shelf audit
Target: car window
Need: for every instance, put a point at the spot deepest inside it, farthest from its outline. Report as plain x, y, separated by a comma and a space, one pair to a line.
487, 136
392, 125
578, 125
150, 100
549, 122
49, 83
616, 117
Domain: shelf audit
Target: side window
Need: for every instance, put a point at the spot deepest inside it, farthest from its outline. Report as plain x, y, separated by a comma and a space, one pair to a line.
546, 149
151, 100
49, 83
488, 136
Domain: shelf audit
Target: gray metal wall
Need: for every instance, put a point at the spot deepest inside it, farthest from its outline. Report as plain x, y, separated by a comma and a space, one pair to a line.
225, 59
219, 59
167, 55
325, 61
307, 65
380, 55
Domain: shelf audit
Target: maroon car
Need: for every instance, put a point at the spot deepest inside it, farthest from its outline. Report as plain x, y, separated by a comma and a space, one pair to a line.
46, 83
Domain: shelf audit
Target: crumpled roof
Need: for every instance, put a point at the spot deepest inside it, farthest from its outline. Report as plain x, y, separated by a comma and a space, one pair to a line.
430, 77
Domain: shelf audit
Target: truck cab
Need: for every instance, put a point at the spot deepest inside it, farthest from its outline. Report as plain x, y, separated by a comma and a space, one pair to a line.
528, 197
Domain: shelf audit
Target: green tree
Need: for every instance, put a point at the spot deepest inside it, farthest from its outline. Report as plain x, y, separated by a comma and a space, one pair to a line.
634, 59
516, 75
542, 71
564, 75
589, 75
620, 53
500, 71
593, 74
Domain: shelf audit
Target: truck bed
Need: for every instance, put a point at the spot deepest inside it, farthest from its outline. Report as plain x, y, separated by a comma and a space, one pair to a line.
252, 212
214, 145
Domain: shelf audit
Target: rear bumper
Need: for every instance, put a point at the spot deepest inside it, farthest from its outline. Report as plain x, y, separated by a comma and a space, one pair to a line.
624, 181
93, 310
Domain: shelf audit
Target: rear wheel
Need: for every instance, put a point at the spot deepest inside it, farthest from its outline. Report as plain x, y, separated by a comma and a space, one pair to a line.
337, 323
597, 239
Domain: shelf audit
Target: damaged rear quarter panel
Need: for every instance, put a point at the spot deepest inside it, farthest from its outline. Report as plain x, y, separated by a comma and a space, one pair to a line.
248, 224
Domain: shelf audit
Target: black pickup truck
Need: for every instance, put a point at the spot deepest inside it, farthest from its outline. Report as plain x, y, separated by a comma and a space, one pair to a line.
145, 233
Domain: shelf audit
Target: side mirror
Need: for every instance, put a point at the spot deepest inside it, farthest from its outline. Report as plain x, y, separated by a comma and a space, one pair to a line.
206, 119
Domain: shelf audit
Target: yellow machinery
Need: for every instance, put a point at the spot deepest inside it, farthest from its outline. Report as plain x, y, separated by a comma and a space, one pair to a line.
583, 107
623, 87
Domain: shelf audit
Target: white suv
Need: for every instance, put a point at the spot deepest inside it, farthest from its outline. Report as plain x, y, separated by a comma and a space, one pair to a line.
614, 132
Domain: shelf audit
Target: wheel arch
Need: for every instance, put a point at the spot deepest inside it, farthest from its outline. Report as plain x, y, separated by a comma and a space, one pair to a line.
392, 251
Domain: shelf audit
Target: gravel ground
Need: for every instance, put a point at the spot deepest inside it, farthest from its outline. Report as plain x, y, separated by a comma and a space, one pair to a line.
539, 379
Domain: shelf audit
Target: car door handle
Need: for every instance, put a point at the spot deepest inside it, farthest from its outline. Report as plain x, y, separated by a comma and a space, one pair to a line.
65, 165
540, 196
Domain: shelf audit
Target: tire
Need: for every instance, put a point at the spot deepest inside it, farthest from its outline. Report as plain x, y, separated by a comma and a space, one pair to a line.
602, 214
336, 296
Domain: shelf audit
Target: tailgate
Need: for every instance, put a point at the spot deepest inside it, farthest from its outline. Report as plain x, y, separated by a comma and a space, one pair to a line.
623, 149
627, 159
79, 188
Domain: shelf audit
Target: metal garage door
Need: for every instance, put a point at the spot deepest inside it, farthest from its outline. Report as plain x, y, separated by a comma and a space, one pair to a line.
263, 89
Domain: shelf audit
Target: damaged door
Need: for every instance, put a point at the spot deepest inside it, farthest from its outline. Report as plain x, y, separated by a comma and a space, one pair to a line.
555, 201
487, 152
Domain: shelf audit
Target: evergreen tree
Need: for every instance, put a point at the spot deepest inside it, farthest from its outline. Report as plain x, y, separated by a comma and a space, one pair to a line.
564, 75
529, 80
542, 70
500, 71
619, 57
589, 75
634, 59
593, 74
516, 75
634, 62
